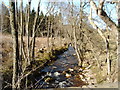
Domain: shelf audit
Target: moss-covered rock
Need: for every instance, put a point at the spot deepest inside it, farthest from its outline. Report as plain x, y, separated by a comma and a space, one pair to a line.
44, 59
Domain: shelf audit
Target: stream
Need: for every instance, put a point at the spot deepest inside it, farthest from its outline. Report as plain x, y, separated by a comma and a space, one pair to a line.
63, 72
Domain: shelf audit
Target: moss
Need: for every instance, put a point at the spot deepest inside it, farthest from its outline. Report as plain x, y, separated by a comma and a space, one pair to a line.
99, 78
46, 56
99, 74
50, 55
40, 60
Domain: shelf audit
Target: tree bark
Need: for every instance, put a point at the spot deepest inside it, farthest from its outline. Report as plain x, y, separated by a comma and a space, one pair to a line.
48, 34
103, 15
33, 33
106, 40
108, 55
76, 48
21, 43
27, 31
75, 37
15, 43
118, 51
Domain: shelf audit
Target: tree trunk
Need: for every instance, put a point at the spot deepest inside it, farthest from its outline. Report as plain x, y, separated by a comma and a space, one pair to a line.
108, 55
76, 48
60, 37
27, 32
48, 34
51, 32
118, 51
33, 33
21, 44
15, 44
115, 29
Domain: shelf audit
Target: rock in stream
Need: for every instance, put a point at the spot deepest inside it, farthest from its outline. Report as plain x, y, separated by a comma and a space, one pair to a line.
61, 73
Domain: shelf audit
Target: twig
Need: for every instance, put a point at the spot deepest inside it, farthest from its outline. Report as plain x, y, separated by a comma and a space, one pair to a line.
23, 76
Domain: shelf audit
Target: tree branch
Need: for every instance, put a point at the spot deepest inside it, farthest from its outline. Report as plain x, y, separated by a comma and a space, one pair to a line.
102, 14
95, 26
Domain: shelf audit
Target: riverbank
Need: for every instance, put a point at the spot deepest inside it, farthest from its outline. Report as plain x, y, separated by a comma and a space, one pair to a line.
41, 59
64, 72
44, 58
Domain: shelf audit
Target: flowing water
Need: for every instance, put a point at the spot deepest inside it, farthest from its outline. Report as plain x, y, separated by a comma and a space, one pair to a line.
61, 73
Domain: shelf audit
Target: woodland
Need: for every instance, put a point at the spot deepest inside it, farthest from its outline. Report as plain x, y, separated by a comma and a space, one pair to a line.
34, 39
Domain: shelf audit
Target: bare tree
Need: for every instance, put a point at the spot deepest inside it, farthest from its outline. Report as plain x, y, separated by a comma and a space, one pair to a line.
21, 43
15, 44
48, 32
118, 62
27, 31
34, 29
108, 21
103, 37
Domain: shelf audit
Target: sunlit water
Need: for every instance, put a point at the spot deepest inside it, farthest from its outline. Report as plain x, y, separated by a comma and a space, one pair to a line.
54, 76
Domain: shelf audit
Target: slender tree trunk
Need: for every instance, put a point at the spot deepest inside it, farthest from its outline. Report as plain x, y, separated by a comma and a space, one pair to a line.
16, 14
15, 44
26, 83
17, 27
60, 40
99, 31
118, 51
34, 30
1, 59
74, 36
51, 32
48, 34
21, 43
27, 31
76, 48
107, 53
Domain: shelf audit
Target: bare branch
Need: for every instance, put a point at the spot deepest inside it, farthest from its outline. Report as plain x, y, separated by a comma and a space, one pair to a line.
40, 24
25, 75
102, 14
95, 26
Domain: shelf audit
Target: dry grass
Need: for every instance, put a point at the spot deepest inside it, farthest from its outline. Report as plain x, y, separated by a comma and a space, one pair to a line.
7, 52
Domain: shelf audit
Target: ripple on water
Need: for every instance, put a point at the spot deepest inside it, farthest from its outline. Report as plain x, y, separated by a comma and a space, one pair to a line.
55, 71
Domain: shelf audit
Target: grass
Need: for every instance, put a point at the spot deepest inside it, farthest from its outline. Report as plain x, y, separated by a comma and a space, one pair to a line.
99, 74
49, 56
98, 48
40, 58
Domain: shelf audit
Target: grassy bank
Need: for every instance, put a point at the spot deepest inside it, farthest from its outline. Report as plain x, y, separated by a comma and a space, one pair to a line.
44, 59
41, 58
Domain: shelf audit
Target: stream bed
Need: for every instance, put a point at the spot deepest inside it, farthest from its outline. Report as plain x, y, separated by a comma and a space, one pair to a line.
63, 72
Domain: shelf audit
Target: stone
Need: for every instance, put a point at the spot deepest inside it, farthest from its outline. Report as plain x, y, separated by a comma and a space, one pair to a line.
62, 84
83, 79
56, 81
68, 75
54, 67
80, 70
81, 76
74, 54
88, 78
84, 86
56, 74
49, 74
47, 79
70, 69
